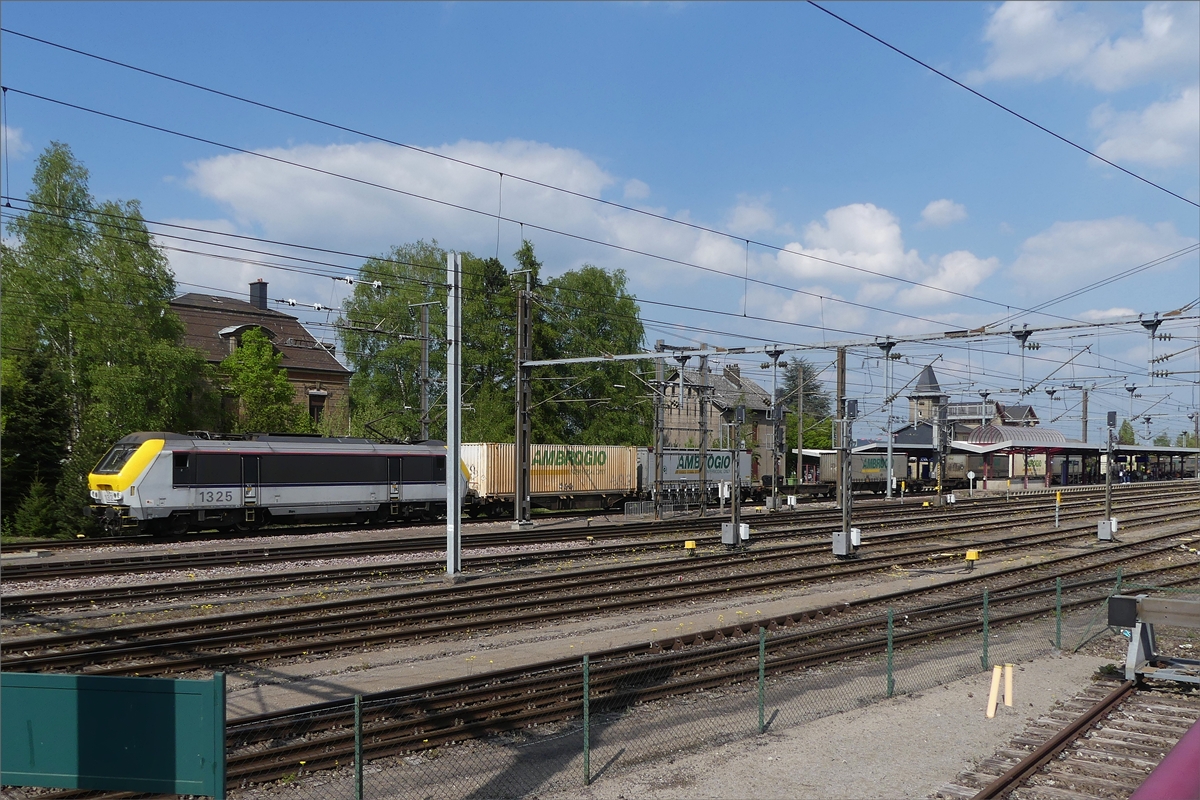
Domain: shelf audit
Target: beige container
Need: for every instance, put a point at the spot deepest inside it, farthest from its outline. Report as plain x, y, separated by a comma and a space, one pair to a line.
555, 469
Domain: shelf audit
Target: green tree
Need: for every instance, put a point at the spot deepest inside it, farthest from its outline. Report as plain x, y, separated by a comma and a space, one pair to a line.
257, 377
33, 424
1162, 440
817, 405
582, 312
1186, 439
86, 288
1126, 434
37, 515
590, 313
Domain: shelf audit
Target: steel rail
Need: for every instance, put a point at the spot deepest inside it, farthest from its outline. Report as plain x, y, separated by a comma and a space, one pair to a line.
557, 697
1056, 744
24, 602
438, 597
366, 627
145, 562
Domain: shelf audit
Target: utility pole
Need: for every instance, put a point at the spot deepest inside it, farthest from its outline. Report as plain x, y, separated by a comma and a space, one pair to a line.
943, 445
1022, 336
842, 456
736, 490
886, 347
776, 417
799, 421
1151, 326
659, 434
1108, 469
524, 401
1085, 416
703, 406
453, 415
1195, 418
424, 365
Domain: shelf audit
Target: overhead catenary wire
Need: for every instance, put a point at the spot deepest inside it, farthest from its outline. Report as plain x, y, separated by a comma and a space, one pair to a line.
1001, 106
543, 184
523, 223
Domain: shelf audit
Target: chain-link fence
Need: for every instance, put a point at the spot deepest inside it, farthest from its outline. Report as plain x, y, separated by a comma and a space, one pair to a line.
541, 736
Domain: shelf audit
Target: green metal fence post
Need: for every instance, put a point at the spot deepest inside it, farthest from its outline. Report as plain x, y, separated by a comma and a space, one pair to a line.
1058, 613
587, 721
358, 748
762, 679
219, 735
891, 675
983, 657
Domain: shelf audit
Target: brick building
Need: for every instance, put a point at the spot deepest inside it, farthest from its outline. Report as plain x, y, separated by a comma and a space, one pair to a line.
214, 325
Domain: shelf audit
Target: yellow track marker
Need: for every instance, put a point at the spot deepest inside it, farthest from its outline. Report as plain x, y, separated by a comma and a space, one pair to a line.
1008, 694
994, 694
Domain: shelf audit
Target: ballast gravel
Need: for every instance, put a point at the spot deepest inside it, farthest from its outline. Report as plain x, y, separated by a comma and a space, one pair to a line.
906, 747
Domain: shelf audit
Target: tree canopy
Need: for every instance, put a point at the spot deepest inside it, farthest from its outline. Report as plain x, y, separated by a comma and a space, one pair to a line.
266, 398
86, 315
582, 312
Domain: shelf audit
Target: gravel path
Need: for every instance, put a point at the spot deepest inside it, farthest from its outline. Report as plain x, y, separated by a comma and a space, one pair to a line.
906, 747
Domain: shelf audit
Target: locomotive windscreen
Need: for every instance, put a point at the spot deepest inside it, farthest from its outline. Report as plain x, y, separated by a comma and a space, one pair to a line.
115, 458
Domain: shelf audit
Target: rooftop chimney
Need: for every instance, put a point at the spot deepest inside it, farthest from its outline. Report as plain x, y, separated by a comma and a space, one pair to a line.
258, 294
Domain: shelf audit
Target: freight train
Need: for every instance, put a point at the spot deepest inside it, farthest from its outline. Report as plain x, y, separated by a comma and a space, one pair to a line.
163, 483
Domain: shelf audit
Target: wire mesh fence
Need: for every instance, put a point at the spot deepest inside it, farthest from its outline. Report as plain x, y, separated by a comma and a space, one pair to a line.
546, 738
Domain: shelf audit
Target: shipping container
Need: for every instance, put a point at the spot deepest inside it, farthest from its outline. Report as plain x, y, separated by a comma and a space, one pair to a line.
560, 475
682, 466
865, 468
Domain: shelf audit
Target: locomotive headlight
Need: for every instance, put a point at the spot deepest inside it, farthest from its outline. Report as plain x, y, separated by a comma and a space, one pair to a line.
94, 494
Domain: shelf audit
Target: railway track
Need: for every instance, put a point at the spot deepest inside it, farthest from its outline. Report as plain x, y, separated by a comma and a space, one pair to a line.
1101, 744
437, 715
180, 645
702, 529
20, 605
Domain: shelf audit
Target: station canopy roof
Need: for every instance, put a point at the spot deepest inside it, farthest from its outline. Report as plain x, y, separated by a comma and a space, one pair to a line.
1017, 436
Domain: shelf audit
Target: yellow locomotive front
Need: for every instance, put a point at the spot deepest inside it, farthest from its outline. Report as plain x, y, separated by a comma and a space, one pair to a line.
113, 483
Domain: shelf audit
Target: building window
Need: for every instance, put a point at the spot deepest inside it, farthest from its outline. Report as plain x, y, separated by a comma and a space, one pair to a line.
316, 405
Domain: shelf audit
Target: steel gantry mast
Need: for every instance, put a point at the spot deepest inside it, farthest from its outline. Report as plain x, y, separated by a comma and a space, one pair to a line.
524, 393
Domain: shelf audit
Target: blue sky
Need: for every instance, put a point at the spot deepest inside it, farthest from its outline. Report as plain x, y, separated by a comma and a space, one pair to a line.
772, 122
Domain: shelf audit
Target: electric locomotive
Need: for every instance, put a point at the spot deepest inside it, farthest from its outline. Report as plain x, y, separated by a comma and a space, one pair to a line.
171, 483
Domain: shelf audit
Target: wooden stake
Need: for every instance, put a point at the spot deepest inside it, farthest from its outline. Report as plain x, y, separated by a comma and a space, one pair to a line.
1008, 694
994, 695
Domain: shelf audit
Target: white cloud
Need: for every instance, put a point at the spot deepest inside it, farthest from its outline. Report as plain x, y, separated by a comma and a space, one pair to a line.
866, 236
1166, 42
636, 190
1071, 254
1097, 315
15, 140
1164, 134
959, 271
943, 212
1041, 40
751, 215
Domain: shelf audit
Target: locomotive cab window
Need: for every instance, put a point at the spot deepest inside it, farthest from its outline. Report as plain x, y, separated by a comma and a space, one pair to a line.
183, 469
439, 469
115, 458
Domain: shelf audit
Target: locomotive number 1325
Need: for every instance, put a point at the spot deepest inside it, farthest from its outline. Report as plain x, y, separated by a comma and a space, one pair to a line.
214, 496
